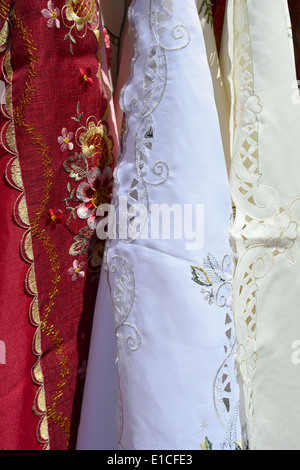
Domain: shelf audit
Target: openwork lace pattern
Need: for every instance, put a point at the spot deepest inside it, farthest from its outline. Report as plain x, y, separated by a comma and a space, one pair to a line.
141, 100
215, 281
263, 230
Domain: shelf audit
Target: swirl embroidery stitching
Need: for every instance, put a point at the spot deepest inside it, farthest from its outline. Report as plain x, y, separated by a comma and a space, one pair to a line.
147, 98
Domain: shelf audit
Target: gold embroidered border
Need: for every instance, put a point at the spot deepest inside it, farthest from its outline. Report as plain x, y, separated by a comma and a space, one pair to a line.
47, 328
14, 178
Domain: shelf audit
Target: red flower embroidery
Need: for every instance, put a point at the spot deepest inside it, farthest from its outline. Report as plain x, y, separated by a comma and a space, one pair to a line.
53, 219
85, 78
94, 193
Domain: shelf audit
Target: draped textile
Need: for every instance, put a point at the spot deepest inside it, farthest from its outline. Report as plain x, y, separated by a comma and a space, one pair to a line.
169, 295
258, 59
58, 150
150, 225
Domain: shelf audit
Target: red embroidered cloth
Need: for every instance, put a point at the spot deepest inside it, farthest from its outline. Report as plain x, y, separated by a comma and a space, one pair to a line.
58, 150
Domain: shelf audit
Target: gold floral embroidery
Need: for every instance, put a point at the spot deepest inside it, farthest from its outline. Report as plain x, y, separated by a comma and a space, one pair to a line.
81, 11
79, 16
96, 143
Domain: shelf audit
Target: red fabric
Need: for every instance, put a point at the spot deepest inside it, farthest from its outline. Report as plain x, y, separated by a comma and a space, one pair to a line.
64, 127
219, 8
294, 8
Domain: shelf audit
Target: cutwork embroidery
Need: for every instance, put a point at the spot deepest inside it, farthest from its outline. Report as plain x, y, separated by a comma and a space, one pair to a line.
215, 281
147, 98
262, 230
122, 287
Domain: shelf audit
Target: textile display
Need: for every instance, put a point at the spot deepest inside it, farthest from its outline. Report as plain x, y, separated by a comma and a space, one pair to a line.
150, 282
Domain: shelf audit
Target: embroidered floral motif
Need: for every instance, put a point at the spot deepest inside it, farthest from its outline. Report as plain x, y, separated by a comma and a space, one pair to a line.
85, 78
96, 143
77, 166
82, 12
79, 16
93, 166
82, 242
247, 359
77, 270
52, 14
65, 140
284, 232
215, 280
249, 108
53, 218
207, 445
94, 193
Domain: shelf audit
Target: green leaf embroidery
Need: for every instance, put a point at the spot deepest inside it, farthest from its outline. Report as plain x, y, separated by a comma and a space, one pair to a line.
79, 115
77, 166
82, 242
200, 276
208, 13
238, 446
213, 268
206, 445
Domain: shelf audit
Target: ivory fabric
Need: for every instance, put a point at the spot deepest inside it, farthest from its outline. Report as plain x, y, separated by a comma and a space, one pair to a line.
167, 381
259, 60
